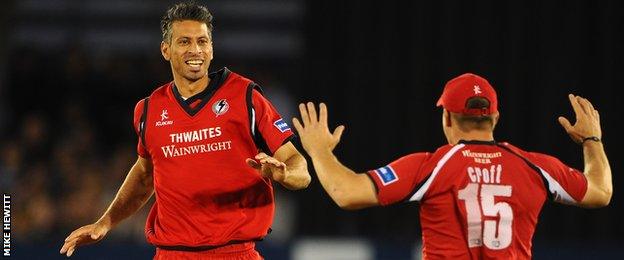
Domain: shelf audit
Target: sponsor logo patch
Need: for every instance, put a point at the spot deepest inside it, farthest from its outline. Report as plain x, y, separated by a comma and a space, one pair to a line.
387, 175
281, 125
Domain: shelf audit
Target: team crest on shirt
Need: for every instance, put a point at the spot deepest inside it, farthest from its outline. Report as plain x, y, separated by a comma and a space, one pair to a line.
220, 107
387, 175
281, 125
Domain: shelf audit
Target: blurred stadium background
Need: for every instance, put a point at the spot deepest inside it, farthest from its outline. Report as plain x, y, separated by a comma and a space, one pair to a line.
72, 71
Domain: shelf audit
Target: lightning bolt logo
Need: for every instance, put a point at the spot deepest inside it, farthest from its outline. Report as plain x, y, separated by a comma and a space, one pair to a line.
220, 107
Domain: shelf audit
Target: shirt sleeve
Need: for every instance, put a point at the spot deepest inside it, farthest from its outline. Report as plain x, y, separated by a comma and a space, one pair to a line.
566, 184
138, 111
273, 130
397, 180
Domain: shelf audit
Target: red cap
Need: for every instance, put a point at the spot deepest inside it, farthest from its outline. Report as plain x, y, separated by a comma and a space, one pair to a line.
458, 90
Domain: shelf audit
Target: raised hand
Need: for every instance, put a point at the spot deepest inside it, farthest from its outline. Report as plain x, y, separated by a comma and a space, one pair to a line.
85, 235
587, 120
313, 130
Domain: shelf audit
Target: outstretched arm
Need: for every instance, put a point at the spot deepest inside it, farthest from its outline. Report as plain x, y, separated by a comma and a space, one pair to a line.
348, 189
287, 166
597, 169
134, 192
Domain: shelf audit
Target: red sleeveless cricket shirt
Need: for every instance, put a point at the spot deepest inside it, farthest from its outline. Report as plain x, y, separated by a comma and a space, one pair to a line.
206, 195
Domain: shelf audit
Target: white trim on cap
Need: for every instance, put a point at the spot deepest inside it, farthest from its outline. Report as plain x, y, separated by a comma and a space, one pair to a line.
421, 192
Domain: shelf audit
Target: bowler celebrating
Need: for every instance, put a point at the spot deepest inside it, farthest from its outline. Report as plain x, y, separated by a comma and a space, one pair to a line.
209, 147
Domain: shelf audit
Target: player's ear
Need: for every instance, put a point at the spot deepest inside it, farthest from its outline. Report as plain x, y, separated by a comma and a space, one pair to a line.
495, 117
211, 49
446, 118
164, 50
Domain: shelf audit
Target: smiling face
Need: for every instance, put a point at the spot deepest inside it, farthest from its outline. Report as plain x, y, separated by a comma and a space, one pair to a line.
189, 50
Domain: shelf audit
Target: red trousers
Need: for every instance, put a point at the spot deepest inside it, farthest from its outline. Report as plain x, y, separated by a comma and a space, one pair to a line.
243, 251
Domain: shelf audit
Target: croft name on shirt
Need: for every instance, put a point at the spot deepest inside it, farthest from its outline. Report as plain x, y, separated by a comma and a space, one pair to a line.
485, 175
196, 135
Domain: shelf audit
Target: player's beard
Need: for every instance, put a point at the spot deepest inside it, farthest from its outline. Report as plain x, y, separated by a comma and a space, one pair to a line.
191, 74
194, 76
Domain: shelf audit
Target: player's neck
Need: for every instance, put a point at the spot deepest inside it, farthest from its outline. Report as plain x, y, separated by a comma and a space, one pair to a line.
188, 88
474, 136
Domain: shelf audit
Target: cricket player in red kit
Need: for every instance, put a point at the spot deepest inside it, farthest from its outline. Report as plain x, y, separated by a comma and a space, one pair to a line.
209, 147
479, 199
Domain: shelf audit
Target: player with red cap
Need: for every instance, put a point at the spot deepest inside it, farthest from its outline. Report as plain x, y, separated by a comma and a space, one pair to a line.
458, 90
479, 199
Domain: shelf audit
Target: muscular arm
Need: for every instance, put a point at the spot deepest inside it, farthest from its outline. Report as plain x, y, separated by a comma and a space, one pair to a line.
348, 189
296, 175
287, 166
598, 174
597, 169
134, 192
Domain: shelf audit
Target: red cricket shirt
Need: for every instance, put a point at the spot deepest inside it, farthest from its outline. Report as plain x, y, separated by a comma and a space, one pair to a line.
478, 199
206, 194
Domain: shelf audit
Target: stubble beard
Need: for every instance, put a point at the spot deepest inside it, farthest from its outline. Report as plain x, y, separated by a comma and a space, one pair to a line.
194, 76
189, 75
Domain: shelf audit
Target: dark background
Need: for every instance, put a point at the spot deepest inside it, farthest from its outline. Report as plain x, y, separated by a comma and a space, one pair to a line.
72, 71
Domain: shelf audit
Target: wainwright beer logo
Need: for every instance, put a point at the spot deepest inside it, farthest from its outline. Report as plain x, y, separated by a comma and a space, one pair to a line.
186, 143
